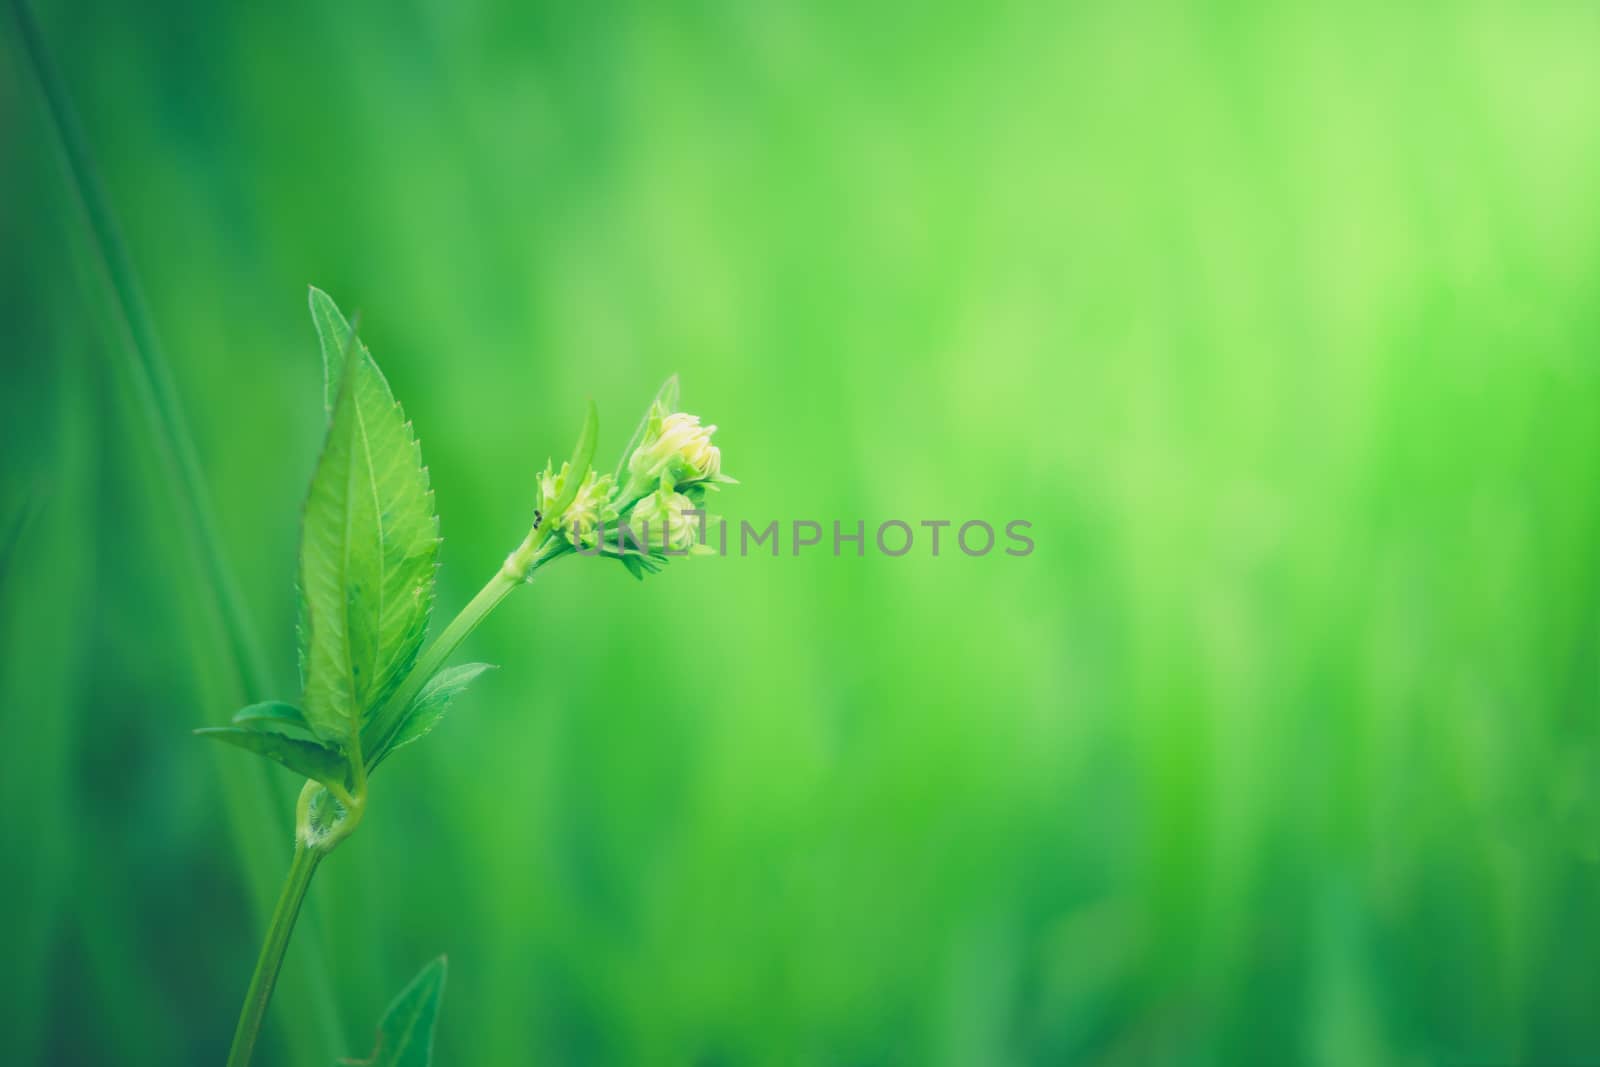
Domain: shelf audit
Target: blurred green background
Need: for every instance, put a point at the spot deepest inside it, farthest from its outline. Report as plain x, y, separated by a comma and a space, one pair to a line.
1279, 323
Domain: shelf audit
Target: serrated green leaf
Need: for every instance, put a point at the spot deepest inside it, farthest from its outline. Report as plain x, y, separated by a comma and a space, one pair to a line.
405, 1035
274, 716
432, 701
333, 331
305, 758
336, 338
368, 545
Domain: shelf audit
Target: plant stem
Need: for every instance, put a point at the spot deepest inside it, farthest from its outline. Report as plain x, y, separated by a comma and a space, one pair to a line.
309, 848
270, 961
489, 597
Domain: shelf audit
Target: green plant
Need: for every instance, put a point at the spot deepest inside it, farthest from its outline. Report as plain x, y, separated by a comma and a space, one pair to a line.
368, 548
405, 1034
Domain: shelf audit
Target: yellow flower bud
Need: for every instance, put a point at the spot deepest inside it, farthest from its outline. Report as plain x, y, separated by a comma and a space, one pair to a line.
678, 447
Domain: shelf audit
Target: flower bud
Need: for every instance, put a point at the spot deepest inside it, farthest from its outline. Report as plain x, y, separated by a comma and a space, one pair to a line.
678, 447
590, 508
661, 520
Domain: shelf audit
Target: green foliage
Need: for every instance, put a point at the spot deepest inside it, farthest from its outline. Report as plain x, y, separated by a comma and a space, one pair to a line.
405, 1034
578, 467
275, 716
666, 400
307, 758
369, 540
335, 336
1283, 748
11, 531
430, 703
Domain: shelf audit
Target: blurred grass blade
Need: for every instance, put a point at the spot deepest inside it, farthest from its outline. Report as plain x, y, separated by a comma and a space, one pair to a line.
405, 1036
151, 379
243, 665
17, 523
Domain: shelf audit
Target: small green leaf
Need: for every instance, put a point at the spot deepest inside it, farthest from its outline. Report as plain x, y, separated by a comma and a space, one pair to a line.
405, 1036
665, 403
430, 704
368, 544
333, 331
305, 758
274, 716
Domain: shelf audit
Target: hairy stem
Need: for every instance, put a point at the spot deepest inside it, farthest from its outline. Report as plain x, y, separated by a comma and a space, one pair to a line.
301, 868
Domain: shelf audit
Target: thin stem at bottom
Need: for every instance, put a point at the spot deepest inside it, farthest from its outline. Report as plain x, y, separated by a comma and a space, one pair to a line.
270, 962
